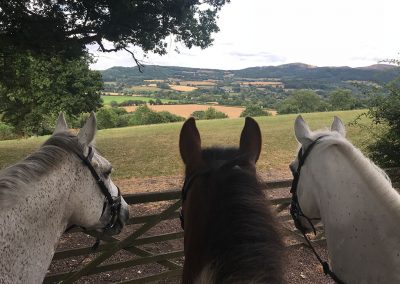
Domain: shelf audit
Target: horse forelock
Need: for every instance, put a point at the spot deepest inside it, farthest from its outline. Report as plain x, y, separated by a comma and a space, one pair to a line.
243, 242
14, 179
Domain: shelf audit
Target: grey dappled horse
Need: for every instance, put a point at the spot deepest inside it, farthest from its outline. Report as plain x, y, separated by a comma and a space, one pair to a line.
66, 182
355, 201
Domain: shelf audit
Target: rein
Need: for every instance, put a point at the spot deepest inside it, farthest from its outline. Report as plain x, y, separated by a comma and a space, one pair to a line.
296, 212
238, 161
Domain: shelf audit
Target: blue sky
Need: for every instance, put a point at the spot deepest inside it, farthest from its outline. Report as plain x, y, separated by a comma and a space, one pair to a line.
272, 32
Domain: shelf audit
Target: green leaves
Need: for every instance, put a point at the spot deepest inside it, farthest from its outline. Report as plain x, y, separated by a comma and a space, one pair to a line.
253, 110
48, 27
34, 89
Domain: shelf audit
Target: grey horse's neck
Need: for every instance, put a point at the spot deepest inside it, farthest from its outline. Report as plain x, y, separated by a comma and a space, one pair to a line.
30, 229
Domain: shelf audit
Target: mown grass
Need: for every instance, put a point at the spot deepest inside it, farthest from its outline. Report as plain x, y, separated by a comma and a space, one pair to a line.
152, 150
119, 99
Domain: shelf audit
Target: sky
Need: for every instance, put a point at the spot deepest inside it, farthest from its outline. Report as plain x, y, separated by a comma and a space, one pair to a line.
252, 33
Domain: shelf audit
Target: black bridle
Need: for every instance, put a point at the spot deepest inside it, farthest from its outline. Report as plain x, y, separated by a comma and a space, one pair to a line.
113, 202
296, 212
239, 161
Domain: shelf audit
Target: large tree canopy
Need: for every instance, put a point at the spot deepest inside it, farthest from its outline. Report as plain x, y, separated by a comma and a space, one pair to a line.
33, 90
67, 26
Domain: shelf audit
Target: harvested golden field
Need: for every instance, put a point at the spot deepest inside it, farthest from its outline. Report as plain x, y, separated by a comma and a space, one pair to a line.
154, 81
187, 110
182, 88
273, 84
198, 83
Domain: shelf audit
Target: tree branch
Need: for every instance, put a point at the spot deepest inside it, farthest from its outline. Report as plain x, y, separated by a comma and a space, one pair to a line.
138, 63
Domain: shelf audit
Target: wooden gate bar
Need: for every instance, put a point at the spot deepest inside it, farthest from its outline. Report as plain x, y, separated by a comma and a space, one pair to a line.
118, 246
146, 218
167, 263
147, 240
131, 243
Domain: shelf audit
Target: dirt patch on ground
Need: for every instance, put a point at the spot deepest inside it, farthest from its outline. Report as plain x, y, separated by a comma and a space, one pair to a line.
300, 264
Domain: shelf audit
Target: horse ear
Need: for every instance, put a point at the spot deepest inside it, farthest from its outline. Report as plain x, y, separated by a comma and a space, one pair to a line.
250, 140
338, 126
302, 131
88, 131
190, 143
61, 125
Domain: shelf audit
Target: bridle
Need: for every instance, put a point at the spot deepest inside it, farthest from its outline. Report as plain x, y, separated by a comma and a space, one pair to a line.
296, 212
239, 161
113, 202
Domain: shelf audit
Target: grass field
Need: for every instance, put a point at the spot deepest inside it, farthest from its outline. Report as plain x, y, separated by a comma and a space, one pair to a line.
119, 99
152, 150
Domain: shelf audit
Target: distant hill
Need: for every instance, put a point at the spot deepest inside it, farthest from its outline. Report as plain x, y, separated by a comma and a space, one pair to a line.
294, 75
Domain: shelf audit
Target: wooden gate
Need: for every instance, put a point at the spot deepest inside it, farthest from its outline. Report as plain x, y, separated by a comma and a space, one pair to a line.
136, 246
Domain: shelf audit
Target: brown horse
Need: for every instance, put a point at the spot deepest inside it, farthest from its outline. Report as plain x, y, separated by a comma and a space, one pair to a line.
229, 232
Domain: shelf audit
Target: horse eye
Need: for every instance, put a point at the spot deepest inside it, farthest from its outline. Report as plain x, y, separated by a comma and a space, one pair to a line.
107, 173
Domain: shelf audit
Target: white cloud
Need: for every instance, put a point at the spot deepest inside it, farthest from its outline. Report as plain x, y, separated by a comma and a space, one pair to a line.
272, 32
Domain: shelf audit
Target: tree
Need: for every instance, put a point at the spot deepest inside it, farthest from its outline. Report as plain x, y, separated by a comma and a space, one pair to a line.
210, 113
385, 111
33, 90
253, 110
301, 101
68, 26
342, 99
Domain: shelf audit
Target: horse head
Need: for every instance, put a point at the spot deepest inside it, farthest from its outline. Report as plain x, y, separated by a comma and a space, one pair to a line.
304, 208
97, 203
229, 232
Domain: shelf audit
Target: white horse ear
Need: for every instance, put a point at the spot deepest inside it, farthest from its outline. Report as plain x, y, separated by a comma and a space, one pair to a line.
61, 125
250, 140
302, 131
338, 126
88, 131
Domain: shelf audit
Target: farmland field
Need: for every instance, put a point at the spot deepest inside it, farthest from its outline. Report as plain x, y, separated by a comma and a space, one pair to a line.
198, 83
152, 150
187, 110
119, 99
144, 88
181, 88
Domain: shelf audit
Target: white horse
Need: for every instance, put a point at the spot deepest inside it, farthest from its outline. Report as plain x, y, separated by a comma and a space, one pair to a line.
356, 203
49, 191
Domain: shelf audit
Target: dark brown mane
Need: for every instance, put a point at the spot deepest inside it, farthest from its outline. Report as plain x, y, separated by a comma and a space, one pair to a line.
241, 242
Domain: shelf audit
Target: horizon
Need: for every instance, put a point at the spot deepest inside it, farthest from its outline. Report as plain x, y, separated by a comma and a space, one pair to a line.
292, 63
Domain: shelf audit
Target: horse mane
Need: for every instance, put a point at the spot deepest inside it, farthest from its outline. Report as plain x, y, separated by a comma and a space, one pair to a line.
371, 173
242, 239
14, 179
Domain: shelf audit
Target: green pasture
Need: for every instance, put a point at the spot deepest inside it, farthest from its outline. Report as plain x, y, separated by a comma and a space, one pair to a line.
119, 99
152, 150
